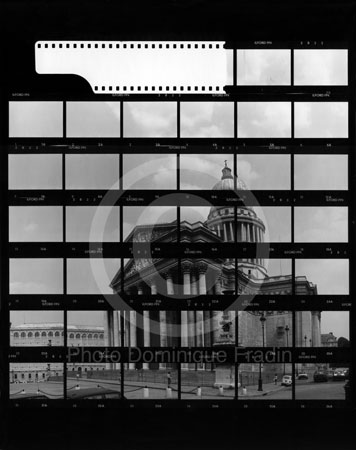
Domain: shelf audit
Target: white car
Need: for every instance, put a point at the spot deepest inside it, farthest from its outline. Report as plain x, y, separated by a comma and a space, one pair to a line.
287, 380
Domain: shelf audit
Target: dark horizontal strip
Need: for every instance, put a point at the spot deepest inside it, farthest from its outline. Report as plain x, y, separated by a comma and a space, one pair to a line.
177, 198
180, 303
289, 93
181, 145
295, 44
178, 250
112, 146
240, 402
180, 355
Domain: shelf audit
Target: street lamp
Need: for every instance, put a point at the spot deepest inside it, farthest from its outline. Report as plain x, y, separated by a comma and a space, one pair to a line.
262, 320
286, 329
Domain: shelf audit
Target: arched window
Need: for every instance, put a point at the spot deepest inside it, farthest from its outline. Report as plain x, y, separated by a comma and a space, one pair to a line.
90, 336
43, 375
86, 369
62, 333
23, 376
96, 336
57, 334
79, 369
101, 336
50, 334
43, 334
29, 376
37, 334
16, 334
30, 334
23, 334
77, 336
84, 336
71, 336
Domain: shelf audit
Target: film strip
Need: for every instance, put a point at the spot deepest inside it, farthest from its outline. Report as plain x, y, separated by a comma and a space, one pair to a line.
190, 289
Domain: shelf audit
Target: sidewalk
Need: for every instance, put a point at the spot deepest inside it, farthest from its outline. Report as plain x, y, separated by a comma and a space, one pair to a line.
252, 391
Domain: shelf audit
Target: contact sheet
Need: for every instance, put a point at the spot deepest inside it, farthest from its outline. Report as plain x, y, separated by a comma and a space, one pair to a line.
179, 235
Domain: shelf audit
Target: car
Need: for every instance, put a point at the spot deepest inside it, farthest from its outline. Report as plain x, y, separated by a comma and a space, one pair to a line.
94, 393
302, 376
320, 376
28, 396
287, 380
340, 374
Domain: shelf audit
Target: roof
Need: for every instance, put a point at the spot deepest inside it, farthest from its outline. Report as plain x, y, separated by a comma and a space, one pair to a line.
55, 326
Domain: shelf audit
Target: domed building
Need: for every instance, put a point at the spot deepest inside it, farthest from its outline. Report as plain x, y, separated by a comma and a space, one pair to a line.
208, 276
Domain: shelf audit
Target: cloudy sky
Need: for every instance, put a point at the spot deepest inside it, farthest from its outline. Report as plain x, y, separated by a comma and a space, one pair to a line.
264, 119
277, 220
278, 266
35, 223
336, 322
321, 224
150, 119
35, 171
203, 171
93, 119
320, 67
92, 224
330, 275
264, 171
194, 214
321, 119
36, 276
91, 275
320, 172
140, 215
94, 171
148, 171
263, 67
25, 317
35, 119
207, 119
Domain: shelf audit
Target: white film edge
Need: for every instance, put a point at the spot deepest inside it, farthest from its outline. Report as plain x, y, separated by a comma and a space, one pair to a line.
140, 67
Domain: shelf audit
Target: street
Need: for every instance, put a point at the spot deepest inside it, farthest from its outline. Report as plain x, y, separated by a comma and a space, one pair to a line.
331, 390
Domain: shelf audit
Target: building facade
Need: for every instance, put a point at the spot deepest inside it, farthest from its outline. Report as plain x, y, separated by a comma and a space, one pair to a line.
204, 276
52, 334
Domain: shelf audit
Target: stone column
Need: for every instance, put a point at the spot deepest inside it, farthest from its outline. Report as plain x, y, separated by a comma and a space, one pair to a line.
225, 232
186, 269
232, 232
133, 337
248, 232
217, 287
169, 279
253, 233
202, 267
243, 232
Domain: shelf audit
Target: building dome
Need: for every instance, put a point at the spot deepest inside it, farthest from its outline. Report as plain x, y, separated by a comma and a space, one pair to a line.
227, 181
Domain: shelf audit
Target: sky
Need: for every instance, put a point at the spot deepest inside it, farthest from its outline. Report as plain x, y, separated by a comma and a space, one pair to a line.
264, 171
150, 119
35, 119
264, 119
203, 171
263, 67
320, 67
277, 220
36, 276
330, 275
93, 119
91, 275
207, 119
321, 224
320, 172
321, 119
35, 171
140, 215
336, 322
149, 171
92, 224
94, 171
35, 223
